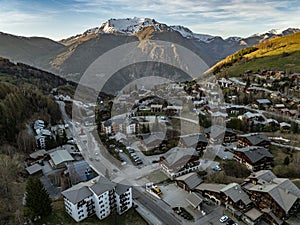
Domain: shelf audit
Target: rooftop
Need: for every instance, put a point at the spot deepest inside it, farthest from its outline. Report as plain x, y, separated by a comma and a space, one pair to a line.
60, 156
255, 153
235, 192
192, 180
211, 187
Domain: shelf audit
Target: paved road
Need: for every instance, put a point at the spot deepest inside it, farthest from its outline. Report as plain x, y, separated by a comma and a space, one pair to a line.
165, 217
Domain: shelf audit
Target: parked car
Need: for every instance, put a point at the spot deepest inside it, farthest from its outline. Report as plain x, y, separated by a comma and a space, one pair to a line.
230, 222
223, 219
217, 168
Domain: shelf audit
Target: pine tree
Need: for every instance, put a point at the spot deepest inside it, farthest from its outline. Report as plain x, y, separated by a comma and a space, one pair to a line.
38, 202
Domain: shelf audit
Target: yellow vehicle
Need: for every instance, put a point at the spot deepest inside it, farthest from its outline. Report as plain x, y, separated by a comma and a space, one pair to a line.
157, 191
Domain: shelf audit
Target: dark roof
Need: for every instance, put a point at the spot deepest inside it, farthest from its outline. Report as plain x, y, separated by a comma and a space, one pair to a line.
77, 171
154, 138
192, 140
77, 193
256, 138
194, 199
265, 175
121, 188
34, 168
192, 180
217, 131
210, 187
282, 190
102, 185
235, 193
254, 153
253, 214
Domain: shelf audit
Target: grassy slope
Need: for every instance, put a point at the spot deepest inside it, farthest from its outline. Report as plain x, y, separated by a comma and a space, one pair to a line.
281, 53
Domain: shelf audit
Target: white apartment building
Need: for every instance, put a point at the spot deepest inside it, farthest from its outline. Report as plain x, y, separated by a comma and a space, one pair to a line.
98, 196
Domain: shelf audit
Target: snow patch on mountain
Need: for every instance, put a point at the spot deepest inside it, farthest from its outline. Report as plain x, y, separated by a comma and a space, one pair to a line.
187, 33
233, 39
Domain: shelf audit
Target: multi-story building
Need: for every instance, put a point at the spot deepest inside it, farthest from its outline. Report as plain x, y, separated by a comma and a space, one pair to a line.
98, 196
277, 197
254, 157
179, 165
254, 139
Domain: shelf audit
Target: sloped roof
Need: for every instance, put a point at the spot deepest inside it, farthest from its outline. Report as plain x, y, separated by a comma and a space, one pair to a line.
236, 193
179, 156
255, 138
34, 168
192, 140
38, 153
282, 190
210, 187
194, 199
263, 101
77, 193
253, 214
101, 185
254, 153
266, 175
121, 188
153, 138
60, 156
192, 180
77, 171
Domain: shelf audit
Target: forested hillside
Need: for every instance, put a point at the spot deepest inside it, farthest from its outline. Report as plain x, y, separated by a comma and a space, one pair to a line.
24, 97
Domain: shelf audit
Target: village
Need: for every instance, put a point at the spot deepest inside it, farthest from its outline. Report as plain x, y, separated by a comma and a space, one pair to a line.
189, 138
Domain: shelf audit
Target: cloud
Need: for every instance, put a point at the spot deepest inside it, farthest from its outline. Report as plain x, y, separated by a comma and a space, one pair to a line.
232, 17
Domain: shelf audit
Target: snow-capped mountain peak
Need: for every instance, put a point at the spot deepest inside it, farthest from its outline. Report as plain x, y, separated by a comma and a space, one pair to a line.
128, 25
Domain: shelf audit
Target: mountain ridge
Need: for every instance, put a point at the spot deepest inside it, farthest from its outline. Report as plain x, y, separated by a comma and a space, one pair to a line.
70, 57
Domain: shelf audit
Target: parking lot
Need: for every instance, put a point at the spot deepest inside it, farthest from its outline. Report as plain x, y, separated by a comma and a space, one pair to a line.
176, 197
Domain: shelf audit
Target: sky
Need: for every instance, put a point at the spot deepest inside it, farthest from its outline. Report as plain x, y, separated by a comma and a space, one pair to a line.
58, 19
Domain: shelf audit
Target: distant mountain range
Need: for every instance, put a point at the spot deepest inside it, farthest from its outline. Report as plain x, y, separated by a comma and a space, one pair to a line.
70, 57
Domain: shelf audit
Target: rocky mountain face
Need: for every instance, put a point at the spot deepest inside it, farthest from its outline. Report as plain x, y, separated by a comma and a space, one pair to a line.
70, 57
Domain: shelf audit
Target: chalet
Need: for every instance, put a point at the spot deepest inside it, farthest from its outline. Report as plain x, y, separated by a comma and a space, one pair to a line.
188, 181
262, 103
156, 108
153, 140
249, 116
195, 200
285, 127
254, 157
277, 197
235, 109
232, 195
218, 134
179, 163
173, 110
198, 104
253, 139
272, 122
197, 141
224, 83
252, 216
211, 190
59, 158
288, 112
